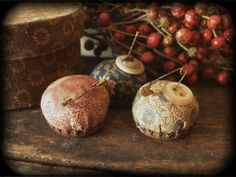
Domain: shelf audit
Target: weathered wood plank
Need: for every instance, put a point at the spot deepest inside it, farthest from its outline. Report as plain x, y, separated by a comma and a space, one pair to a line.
27, 168
119, 146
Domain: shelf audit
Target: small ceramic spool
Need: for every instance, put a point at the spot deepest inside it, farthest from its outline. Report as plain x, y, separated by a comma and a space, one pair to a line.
164, 110
124, 78
73, 106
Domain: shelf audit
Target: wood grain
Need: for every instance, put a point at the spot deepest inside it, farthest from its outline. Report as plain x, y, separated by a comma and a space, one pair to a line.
120, 147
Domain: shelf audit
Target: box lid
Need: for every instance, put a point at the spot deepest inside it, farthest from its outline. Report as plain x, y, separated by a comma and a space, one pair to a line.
34, 29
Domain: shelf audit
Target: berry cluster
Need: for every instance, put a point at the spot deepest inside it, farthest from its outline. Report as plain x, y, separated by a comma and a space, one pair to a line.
197, 37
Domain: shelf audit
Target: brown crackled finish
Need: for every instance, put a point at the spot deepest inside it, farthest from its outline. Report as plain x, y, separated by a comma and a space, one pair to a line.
80, 117
41, 43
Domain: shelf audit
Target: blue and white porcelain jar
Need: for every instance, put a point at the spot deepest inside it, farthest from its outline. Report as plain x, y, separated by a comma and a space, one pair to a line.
164, 109
124, 78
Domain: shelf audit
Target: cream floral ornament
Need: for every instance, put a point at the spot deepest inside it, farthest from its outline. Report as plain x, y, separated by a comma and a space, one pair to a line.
41, 36
35, 78
158, 117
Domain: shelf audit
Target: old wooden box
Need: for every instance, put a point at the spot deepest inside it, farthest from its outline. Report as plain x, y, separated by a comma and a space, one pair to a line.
41, 43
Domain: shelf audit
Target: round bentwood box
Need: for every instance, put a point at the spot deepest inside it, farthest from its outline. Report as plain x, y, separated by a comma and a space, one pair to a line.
41, 43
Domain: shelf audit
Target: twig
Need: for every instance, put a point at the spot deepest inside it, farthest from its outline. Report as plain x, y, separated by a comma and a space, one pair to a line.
128, 34
97, 84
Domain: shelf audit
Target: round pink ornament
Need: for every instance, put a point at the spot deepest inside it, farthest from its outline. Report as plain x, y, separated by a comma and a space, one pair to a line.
79, 116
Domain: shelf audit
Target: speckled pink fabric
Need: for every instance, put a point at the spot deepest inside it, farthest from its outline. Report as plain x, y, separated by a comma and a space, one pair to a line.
80, 117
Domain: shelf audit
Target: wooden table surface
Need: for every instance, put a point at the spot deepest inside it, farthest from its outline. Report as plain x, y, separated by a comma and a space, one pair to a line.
30, 146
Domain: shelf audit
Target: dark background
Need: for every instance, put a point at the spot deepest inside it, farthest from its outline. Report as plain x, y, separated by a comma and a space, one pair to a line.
228, 4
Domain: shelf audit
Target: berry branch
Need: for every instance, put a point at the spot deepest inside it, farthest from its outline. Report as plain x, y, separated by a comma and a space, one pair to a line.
198, 36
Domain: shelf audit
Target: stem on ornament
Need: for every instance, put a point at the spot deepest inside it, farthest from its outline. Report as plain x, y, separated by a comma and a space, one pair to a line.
132, 45
126, 47
97, 84
122, 45
180, 78
167, 74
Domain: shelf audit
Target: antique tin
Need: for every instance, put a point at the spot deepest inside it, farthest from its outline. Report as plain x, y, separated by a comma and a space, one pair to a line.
122, 86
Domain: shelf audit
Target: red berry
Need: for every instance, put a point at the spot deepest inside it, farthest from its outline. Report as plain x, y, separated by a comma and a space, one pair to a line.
191, 18
147, 57
189, 68
144, 29
178, 10
119, 36
208, 72
226, 20
207, 34
182, 57
214, 21
201, 7
195, 38
213, 55
183, 36
201, 53
192, 79
223, 77
218, 42
104, 18
173, 27
130, 29
153, 40
169, 51
169, 66
228, 34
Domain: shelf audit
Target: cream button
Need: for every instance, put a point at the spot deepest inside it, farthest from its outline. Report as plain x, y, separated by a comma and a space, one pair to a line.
181, 95
134, 67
